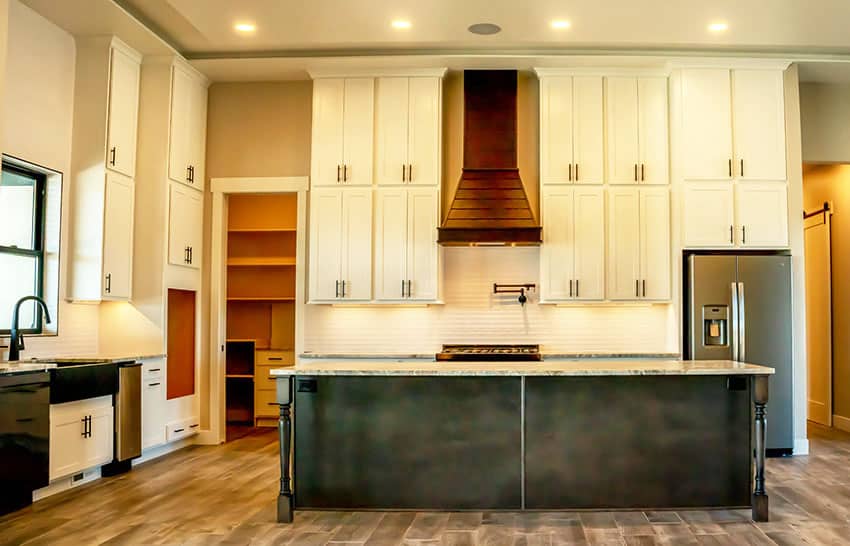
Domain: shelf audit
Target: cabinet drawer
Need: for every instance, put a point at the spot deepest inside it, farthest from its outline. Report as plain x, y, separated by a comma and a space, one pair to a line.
275, 358
263, 380
264, 404
152, 371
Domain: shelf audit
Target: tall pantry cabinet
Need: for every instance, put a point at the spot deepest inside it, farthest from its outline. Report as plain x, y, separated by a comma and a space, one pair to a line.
169, 223
103, 170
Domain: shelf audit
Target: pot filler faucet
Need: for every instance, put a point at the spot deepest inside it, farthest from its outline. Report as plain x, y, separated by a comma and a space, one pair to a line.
16, 339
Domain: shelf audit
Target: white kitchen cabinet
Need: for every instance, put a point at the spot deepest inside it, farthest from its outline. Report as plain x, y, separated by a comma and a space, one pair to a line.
573, 250
706, 124
187, 127
623, 244
153, 403
708, 215
340, 245
655, 260
571, 129
118, 237
342, 137
124, 74
636, 126
761, 214
406, 266
185, 221
81, 435
407, 143
758, 117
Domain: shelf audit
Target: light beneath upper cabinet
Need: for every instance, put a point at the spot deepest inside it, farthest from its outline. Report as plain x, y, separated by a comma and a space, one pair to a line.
245, 28
718, 27
401, 24
560, 24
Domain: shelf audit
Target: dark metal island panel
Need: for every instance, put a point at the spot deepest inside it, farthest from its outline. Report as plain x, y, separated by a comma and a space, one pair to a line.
437, 443
553, 436
637, 442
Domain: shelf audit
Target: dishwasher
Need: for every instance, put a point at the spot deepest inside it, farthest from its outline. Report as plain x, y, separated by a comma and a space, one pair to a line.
128, 419
24, 437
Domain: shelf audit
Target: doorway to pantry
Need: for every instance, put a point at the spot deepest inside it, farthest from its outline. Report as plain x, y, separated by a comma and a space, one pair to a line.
257, 287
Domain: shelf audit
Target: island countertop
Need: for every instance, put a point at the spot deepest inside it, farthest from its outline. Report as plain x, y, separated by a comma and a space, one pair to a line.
544, 368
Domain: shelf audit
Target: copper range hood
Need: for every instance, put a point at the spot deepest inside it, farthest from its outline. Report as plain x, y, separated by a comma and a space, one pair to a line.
490, 206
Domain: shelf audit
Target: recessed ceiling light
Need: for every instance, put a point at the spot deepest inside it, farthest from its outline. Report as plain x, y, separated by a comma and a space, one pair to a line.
718, 27
484, 28
560, 24
245, 27
401, 24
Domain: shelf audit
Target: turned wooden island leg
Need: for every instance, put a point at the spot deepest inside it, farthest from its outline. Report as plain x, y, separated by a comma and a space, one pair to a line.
760, 394
284, 427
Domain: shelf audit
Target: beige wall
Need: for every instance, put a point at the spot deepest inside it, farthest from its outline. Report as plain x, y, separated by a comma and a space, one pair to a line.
832, 183
35, 125
527, 136
825, 120
4, 34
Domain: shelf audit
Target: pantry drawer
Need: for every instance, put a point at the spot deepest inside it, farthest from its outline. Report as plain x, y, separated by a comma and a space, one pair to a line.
264, 404
263, 379
278, 358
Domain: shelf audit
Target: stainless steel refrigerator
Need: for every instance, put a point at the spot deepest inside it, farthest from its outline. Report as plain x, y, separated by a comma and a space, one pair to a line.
738, 307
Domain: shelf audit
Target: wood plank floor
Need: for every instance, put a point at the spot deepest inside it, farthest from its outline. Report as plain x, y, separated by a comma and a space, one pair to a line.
226, 495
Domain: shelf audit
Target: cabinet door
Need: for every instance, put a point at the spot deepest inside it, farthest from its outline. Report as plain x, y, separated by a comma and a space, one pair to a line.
624, 243
390, 243
424, 128
123, 113
391, 133
98, 446
198, 136
326, 150
358, 131
761, 214
325, 244
589, 237
706, 124
182, 86
622, 125
67, 449
655, 271
654, 142
422, 220
180, 220
556, 136
153, 418
118, 237
759, 124
357, 244
707, 215
556, 263
194, 228
588, 140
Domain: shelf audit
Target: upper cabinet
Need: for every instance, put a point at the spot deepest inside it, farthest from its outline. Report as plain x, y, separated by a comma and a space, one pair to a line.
408, 129
636, 127
185, 218
187, 127
124, 72
571, 130
733, 124
343, 123
103, 167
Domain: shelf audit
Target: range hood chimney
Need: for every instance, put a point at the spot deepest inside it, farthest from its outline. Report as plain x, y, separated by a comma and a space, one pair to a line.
490, 206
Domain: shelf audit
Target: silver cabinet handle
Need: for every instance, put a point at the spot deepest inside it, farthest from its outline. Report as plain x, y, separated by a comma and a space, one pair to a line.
742, 319
734, 327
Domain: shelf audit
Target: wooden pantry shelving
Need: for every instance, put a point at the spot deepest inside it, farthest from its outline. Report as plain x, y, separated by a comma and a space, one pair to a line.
261, 250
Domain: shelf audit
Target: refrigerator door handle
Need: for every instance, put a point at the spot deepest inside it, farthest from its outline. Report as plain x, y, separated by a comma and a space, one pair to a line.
742, 324
734, 326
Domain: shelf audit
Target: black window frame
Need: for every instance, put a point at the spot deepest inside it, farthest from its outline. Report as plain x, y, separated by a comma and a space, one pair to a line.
38, 241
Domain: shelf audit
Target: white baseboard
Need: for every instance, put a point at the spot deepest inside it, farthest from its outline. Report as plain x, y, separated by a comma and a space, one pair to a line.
207, 438
66, 483
841, 423
801, 446
164, 449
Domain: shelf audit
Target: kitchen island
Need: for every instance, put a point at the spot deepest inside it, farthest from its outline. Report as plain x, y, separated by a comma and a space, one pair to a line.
551, 435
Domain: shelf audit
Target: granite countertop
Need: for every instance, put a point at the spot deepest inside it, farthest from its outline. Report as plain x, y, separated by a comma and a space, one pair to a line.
97, 358
10, 368
592, 367
421, 356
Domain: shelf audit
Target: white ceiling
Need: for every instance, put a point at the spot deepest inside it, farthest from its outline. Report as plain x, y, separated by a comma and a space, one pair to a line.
205, 27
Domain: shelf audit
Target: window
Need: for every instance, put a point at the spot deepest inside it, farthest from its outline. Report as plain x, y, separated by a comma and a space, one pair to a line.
22, 199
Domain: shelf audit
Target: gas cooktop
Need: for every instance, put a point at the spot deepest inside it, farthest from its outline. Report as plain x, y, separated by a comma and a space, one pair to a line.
490, 352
